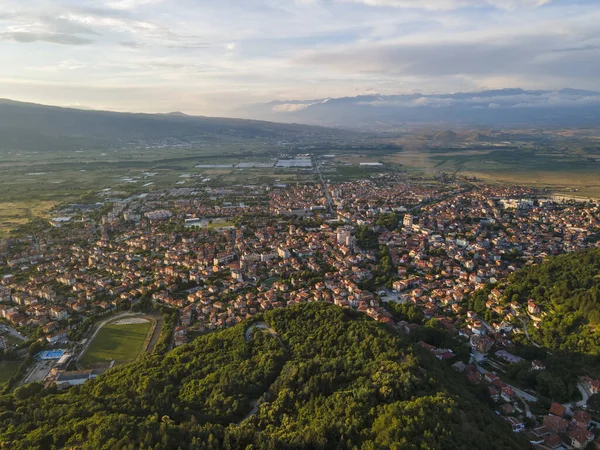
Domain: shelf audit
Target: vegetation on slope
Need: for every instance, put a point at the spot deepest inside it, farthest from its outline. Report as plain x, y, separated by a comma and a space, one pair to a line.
567, 288
29, 126
337, 379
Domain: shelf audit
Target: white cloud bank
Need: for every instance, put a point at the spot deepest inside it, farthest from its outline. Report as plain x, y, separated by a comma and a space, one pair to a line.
210, 57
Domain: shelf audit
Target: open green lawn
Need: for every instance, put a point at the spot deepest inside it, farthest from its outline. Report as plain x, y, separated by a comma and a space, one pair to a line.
7, 370
270, 281
121, 343
220, 224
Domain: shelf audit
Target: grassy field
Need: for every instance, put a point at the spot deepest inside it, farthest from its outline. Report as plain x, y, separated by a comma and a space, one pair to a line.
119, 343
560, 172
17, 213
7, 370
220, 224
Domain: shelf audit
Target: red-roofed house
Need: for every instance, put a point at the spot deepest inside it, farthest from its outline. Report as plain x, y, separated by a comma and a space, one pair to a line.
553, 441
557, 409
507, 394
555, 423
581, 418
580, 437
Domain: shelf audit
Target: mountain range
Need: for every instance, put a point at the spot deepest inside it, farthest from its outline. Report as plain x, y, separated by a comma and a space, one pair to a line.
505, 108
30, 126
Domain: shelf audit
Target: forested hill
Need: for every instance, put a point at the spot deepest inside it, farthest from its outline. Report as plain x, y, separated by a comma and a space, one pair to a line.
32, 127
335, 380
567, 288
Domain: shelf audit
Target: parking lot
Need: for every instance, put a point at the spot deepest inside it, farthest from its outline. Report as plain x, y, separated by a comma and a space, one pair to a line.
39, 371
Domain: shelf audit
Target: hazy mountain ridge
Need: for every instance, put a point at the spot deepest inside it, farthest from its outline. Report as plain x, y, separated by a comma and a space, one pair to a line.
495, 108
29, 126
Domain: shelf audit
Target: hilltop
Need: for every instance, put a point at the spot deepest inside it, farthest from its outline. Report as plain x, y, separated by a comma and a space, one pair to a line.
565, 291
329, 378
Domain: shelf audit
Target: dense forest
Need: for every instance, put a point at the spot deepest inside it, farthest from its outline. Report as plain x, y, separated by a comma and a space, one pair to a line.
332, 378
567, 287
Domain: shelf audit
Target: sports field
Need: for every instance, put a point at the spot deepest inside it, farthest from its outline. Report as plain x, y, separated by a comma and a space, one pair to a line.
119, 342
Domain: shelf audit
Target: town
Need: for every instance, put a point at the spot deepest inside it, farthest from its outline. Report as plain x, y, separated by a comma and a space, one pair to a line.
384, 246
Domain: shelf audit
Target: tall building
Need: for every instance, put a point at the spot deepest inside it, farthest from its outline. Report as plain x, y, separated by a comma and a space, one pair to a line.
408, 220
343, 234
344, 237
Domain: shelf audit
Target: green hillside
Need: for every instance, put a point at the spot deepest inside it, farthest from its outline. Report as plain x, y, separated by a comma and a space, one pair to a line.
567, 288
334, 379
33, 127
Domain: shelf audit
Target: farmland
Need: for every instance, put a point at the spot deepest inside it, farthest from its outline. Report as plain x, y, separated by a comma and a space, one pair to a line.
117, 341
35, 182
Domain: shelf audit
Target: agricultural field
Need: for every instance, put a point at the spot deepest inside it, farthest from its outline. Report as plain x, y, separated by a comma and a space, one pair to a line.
35, 182
15, 213
560, 171
7, 370
121, 341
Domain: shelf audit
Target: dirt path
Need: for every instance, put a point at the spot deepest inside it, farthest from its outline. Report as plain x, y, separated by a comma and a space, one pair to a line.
269, 393
155, 333
262, 326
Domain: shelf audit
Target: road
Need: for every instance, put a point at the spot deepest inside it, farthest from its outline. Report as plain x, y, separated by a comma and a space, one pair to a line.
262, 326
485, 324
324, 186
524, 322
522, 394
155, 333
255, 407
584, 395
14, 333
267, 395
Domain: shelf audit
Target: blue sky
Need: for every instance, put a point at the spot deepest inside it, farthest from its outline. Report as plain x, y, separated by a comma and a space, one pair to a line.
210, 57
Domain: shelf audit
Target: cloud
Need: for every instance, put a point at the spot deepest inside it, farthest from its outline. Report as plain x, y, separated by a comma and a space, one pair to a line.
524, 55
582, 48
446, 5
289, 107
491, 99
260, 50
130, 44
130, 4
63, 25
26, 37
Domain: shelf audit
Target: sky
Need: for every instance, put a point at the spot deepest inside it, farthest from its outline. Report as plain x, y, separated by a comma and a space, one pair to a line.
211, 57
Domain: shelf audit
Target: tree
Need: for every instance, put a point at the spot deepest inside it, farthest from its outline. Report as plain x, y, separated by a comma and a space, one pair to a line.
36, 347
594, 403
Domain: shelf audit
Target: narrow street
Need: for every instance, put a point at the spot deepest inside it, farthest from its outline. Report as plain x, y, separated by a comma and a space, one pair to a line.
324, 186
524, 395
524, 322
584, 399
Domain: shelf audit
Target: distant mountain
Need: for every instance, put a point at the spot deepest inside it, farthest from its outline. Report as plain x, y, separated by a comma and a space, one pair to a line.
29, 126
503, 108
177, 114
